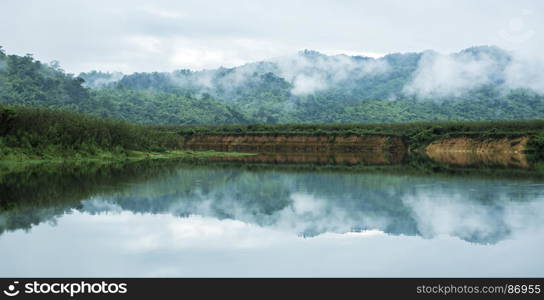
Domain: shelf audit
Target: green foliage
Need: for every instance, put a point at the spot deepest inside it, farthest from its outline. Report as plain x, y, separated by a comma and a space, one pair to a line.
24, 81
269, 99
259, 93
146, 107
537, 145
260, 96
418, 130
49, 133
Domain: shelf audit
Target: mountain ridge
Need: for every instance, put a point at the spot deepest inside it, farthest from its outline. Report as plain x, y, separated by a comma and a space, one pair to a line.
477, 83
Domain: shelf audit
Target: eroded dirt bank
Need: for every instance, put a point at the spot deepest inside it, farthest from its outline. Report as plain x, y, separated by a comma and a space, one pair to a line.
371, 149
269, 143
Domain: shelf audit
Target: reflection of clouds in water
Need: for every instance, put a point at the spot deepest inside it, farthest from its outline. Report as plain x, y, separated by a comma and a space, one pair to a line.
521, 216
306, 204
434, 211
305, 214
151, 232
478, 211
125, 243
98, 204
162, 232
311, 215
209, 222
133, 244
456, 215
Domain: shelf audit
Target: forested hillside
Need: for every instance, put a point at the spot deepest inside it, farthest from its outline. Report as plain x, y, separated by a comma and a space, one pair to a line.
480, 83
25, 81
40, 133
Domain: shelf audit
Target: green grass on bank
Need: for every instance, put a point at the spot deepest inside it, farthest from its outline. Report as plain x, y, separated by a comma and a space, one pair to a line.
33, 135
27, 132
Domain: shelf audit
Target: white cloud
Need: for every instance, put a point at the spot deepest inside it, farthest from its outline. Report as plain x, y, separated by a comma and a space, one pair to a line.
191, 58
314, 72
450, 75
84, 35
354, 53
162, 13
308, 84
526, 72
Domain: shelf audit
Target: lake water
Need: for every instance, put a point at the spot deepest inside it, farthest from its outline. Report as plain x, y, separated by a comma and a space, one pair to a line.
231, 220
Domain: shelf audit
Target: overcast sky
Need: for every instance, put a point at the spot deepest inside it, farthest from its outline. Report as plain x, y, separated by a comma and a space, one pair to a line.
132, 35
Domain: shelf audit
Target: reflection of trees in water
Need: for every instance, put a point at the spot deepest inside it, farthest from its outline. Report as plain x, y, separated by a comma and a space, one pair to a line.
34, 194
309, 203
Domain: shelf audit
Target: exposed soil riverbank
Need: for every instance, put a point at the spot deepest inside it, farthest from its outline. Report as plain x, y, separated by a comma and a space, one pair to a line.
369, 149
264, 143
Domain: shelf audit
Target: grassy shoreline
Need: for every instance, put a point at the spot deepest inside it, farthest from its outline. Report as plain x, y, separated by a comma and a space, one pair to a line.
29, 135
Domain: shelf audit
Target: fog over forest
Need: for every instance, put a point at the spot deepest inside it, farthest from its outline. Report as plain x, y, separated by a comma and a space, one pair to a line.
284, 62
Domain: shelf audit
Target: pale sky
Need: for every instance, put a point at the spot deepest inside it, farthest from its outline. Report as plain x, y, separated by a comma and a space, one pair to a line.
133, 35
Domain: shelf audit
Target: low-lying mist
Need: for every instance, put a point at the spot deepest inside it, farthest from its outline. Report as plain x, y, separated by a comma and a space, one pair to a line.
426, 75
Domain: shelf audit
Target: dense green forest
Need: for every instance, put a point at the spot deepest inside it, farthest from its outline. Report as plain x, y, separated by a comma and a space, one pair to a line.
309, 87
521, 127
45, 133
28, 82
40, 105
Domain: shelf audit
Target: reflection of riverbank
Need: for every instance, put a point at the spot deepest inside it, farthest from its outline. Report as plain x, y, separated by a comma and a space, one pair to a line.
322, 158
462, 151
33, 196
454, 158
475, 159
305, 203
296, 143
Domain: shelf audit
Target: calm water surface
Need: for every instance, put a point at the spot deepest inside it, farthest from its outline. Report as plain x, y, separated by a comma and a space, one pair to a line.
231, 221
